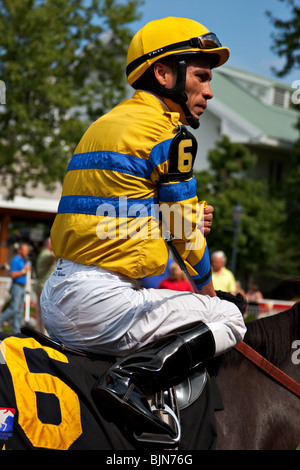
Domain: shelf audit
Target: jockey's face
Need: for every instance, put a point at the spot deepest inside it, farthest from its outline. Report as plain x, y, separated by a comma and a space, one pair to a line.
197, 86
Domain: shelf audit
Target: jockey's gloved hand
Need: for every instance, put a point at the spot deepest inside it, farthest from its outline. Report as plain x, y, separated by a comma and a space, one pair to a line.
238, 299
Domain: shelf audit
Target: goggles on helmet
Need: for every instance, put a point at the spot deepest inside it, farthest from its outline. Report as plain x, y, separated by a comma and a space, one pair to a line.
206, 41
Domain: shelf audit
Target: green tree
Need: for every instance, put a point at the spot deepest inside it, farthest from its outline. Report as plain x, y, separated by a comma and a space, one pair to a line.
286, 39
63, 65
262, 218
286, 44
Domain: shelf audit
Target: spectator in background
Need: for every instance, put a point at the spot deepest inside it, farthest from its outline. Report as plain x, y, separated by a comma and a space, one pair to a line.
253, 293
223, 278
239, 288
46, 262
18, 270
176, 280
153, 281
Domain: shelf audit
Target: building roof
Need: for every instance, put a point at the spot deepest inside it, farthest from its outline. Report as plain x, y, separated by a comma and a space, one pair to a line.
35, 204
248, 101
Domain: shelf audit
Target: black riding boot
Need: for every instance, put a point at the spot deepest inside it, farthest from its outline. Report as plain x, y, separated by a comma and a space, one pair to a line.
169, 361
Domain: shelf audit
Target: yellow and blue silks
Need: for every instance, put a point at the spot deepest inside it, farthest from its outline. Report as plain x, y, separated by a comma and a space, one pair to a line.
116, 189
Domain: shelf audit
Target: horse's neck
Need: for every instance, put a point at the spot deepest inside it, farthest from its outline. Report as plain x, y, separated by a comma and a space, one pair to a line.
273, 336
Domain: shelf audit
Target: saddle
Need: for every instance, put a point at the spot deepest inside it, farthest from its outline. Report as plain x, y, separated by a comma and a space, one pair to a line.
167, 404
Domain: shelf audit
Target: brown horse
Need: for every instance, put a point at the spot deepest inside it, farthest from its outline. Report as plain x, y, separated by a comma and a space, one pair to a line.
259, 413
46, 398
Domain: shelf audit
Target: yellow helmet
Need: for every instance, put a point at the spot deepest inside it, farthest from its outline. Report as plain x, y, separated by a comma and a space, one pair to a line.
171, 36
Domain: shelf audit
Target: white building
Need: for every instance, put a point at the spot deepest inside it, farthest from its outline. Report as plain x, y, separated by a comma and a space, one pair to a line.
253, 110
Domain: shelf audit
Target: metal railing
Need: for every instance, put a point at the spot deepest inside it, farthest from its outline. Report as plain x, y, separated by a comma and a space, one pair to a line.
265, 307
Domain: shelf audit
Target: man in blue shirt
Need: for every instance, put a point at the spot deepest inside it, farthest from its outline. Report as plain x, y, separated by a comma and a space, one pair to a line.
18, 270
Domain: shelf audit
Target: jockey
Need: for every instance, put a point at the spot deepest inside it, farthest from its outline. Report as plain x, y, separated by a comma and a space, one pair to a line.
128, 188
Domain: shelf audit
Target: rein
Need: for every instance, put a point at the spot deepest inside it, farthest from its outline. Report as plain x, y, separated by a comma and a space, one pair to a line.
269, 368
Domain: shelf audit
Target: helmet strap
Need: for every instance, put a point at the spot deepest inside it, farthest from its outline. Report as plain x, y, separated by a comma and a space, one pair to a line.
192, 120
177, 93
180, 96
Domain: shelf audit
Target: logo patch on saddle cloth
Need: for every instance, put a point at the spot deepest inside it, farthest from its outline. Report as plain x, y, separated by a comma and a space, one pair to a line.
7, 416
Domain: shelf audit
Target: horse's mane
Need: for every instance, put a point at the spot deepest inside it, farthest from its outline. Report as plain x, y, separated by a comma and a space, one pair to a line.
272, 336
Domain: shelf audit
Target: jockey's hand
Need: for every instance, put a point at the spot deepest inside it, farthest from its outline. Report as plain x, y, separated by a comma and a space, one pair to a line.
208, 217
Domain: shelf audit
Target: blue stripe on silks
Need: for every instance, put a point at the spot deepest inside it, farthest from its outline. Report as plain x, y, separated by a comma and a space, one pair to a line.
114, 161
203, 269
104, 206
178, 191
160, 153
111, 161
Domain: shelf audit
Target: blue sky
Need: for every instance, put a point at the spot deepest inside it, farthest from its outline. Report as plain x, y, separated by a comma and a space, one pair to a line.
241, 25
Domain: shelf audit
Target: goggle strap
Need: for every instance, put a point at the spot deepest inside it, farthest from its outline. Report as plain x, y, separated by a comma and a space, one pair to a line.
200, 42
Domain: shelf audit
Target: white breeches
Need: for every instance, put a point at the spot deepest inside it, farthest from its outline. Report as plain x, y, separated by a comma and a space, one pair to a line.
93, 309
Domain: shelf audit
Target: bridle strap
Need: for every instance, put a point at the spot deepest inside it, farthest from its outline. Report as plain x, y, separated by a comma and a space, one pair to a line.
268, 368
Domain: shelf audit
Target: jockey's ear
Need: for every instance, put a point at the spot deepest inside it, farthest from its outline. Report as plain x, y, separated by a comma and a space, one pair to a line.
164, 74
